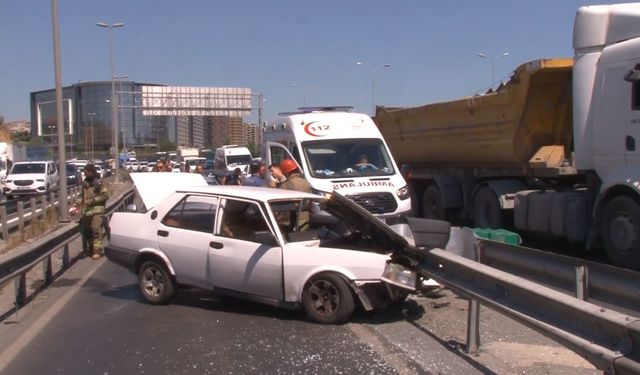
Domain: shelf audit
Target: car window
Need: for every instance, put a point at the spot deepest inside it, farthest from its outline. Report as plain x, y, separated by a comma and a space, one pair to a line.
193, 212
245, 221
292, 217
28, 168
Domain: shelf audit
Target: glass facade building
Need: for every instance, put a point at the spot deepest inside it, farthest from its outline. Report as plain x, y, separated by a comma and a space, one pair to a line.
88, 118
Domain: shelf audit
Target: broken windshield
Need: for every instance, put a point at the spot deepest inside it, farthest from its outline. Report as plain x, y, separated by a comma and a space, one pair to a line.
347, 158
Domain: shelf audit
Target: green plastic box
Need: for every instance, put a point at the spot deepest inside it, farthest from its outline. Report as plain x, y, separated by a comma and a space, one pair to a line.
500, 235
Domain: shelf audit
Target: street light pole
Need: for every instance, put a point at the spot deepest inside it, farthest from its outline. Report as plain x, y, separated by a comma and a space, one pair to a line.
493, 64
119, 103
91, 114
373, 83
62, 173
114, 115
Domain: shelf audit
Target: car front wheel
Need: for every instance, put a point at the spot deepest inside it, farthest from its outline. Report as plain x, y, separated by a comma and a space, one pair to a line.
327, 299
155, 283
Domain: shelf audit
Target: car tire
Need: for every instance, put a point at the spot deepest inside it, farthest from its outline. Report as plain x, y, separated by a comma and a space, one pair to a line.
327, 299
155, 283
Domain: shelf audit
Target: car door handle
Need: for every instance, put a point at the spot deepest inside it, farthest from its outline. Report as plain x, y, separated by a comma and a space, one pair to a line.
216, 245
163, 233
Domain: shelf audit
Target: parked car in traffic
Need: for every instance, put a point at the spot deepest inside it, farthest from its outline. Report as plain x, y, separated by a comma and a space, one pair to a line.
31, 177
102, 173
74, 177
280, 247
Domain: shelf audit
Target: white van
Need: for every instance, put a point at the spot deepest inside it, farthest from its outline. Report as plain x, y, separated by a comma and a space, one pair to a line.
229, 157
342, 151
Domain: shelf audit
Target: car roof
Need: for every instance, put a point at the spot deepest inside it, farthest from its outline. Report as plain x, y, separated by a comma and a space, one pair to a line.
33, 162
256, 193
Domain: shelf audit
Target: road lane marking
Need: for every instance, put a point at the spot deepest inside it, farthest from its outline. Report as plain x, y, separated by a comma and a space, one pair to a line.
12, 351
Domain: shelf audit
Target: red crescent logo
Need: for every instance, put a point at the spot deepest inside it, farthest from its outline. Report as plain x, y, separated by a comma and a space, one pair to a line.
309, 131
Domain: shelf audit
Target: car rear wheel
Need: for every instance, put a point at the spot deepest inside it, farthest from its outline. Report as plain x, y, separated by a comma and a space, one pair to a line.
327, 299
155, 283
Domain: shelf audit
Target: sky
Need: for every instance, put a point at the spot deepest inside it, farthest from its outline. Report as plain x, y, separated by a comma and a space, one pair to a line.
295, 53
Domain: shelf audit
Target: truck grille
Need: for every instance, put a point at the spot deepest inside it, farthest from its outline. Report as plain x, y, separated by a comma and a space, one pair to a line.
376, 203
23, 182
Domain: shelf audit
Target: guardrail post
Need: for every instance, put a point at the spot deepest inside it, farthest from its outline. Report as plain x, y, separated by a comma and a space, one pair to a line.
473, 316
52, 199
21, 289
473, 328
3, 219
21, 216
32, 209
582, 282
43, 205
65, 257
47, 269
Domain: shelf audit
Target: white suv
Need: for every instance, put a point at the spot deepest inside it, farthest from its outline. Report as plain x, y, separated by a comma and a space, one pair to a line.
31, 177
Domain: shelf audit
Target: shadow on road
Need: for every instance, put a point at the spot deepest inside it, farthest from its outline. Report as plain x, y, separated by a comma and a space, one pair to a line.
203, 299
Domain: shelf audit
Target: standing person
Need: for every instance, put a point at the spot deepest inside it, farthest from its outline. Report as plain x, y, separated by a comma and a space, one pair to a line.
199, 169
277, 177
258, 171
91, 203
233, 178
294, 180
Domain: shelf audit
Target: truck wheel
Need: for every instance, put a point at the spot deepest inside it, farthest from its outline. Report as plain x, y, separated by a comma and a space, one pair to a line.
621, 232
487, 212
327, 299
432, 204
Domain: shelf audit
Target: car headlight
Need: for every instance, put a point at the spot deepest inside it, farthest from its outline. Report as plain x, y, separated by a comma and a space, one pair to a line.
403, 193
400, 276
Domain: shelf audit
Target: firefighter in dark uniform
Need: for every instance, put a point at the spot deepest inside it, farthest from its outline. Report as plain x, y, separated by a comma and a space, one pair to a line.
294, 180
92, 204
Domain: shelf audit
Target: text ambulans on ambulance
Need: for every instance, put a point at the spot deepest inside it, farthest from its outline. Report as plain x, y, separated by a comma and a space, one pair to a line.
342, 151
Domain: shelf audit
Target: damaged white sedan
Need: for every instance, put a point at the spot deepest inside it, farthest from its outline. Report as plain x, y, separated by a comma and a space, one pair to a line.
280, 247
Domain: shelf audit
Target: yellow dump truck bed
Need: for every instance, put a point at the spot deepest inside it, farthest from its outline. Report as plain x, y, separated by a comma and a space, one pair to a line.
503, 128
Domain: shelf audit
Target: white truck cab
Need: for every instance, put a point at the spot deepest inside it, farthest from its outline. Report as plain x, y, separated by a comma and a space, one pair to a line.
339, 150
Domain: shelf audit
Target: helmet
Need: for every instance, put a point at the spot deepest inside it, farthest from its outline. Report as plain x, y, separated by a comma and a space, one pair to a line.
287, 166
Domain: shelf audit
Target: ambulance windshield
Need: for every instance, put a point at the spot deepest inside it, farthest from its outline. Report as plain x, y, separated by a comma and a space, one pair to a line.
347, 158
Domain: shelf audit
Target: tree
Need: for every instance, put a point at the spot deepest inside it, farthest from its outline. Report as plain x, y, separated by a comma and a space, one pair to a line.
254, 149
166, 145
24, 136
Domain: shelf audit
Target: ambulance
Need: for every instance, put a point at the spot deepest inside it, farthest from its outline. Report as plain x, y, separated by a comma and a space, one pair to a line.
338, 150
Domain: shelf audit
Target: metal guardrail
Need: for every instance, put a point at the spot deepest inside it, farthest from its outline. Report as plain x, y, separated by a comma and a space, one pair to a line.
16, 264
35, 208
608, 339
617, 287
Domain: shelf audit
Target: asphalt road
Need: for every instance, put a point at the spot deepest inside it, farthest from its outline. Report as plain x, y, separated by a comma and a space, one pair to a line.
107, 329
92, 320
